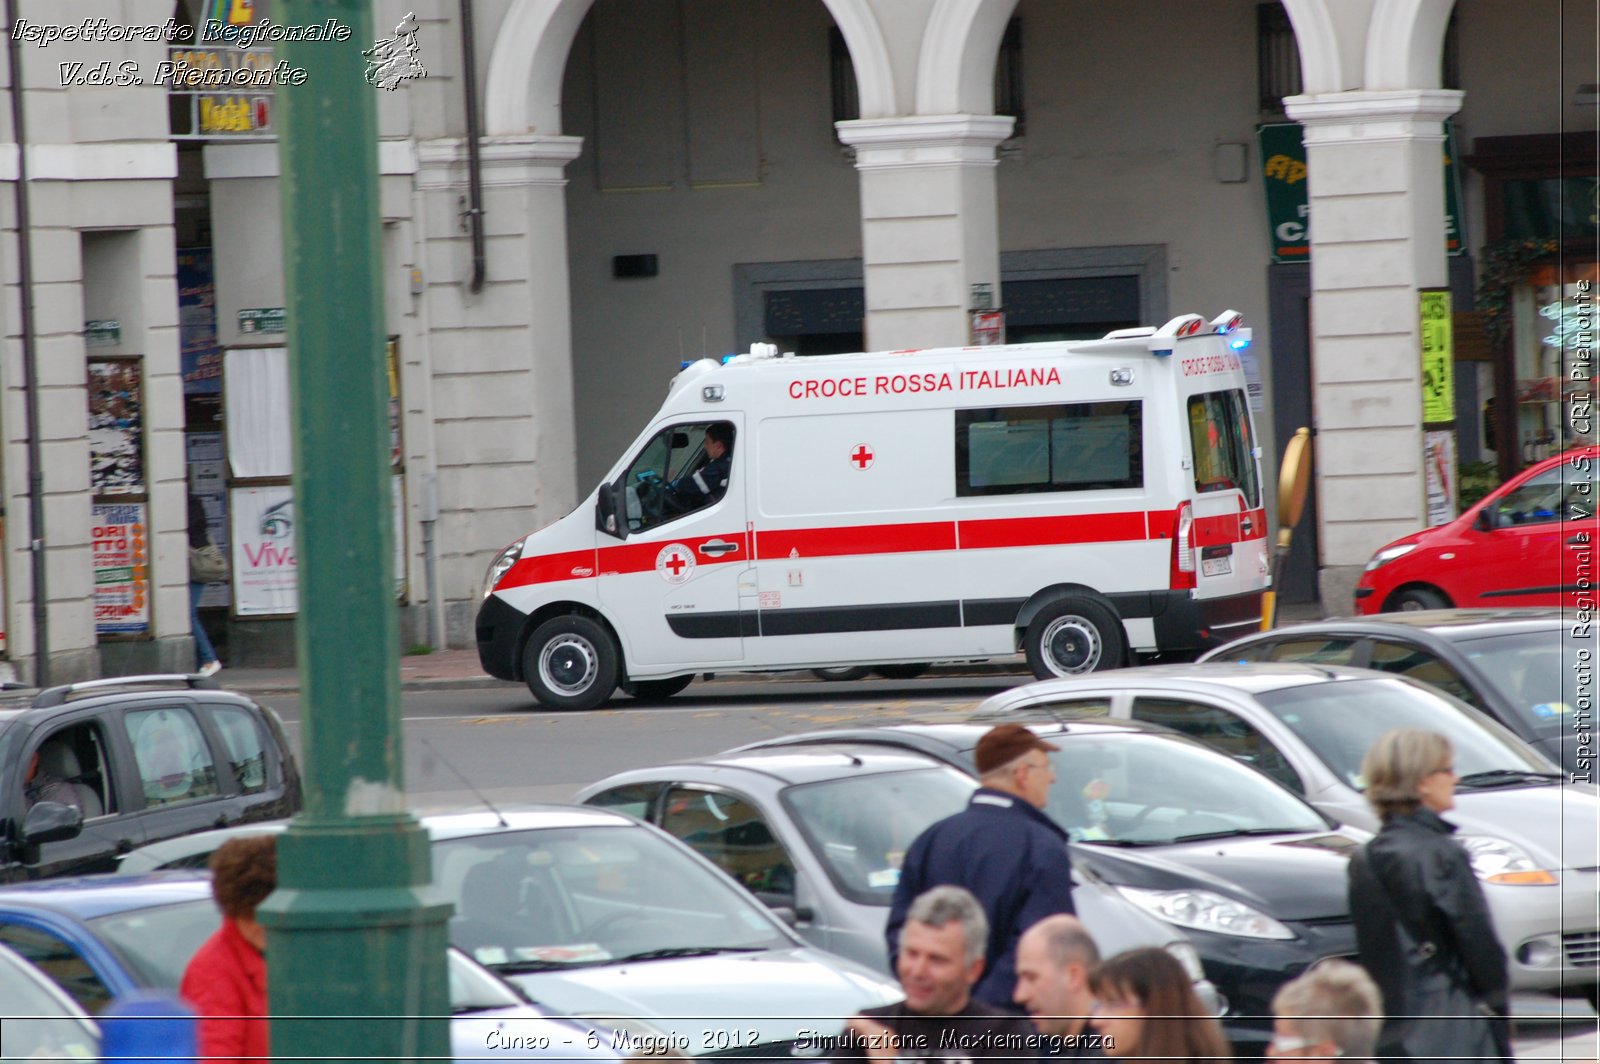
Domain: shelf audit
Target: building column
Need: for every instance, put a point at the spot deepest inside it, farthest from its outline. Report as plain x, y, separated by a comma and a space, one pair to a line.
502, 356
929, 223
1376, 195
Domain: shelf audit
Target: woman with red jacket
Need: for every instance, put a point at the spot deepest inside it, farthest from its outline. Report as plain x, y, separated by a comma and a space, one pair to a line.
226, 980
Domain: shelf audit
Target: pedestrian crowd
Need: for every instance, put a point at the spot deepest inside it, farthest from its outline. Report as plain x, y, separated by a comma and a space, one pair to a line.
994, 963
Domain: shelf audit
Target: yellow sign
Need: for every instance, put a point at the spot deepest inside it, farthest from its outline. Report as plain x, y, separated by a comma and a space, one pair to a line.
1438, 358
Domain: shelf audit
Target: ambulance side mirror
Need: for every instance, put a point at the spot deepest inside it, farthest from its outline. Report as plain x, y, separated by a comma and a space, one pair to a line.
608, 516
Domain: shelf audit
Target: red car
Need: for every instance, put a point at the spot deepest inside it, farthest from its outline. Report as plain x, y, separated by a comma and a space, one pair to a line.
1530, 542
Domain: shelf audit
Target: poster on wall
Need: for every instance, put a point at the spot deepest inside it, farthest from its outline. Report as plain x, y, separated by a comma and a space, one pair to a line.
116, 427
197, 323
204, 456
121, 569
261, 523
1439, 474
256, 383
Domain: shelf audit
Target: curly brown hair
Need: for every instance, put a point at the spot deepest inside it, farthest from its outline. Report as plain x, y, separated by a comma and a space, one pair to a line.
243, 872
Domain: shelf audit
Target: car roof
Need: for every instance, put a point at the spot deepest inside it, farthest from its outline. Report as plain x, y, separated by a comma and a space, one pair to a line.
808, 763
88, 897
1214, 677
949, 742
1450, 624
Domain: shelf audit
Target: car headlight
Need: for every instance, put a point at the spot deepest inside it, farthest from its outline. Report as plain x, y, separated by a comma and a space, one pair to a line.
1189, 957
1498, 861
1204, 911
497, 568
1389, 554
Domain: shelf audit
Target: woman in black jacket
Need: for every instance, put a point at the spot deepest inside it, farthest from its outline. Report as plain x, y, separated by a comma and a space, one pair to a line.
1422, 926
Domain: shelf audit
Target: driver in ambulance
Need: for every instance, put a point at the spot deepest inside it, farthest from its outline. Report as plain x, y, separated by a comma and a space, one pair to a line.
706, 484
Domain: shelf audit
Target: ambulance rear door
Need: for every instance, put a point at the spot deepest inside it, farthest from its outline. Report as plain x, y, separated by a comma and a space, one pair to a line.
672, 586
1224, 475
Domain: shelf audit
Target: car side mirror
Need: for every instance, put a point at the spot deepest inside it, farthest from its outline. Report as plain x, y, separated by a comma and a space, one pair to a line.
680, 440
608, 516
784, 908
51, 822
1486, 520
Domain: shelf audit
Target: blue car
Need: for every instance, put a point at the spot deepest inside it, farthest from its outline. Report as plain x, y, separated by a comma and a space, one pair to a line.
101, 937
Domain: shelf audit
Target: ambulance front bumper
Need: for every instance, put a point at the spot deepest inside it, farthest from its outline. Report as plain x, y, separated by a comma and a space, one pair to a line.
1187, 625
499, 634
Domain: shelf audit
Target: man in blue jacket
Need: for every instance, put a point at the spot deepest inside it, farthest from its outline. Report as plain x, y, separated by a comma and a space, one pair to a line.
1002, 848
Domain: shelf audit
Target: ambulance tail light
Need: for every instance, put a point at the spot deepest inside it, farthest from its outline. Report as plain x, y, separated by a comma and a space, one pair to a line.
1227, 321
1184, 325
1182, 575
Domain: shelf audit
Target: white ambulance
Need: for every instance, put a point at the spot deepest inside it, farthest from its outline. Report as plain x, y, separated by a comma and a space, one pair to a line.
1085, 503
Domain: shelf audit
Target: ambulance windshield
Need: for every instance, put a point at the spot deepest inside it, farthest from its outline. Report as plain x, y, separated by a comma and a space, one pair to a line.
1224, 447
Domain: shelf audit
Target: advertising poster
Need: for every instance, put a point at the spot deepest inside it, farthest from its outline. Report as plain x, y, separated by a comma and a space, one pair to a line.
197, 323
261, 522
204, 456
1438, 357
116, 427
121, 569
1439, 474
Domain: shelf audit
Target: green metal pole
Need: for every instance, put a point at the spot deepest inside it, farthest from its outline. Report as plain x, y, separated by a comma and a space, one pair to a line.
356, 935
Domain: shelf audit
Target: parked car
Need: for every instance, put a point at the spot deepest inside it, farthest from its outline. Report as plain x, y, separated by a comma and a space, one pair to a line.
1532, 836
40, 1021
818, 833
101, 937
591, 913
1251, 874
1516, 665
137, 759
1530, 542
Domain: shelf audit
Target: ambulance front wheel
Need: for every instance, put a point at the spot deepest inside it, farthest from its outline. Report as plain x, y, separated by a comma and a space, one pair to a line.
571, 662
1073, 635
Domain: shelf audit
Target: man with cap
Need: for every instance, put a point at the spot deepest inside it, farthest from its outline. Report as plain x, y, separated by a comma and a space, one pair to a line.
1002, 848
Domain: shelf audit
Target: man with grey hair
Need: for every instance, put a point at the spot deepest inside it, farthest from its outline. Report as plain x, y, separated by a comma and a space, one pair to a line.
1054, 959
1001, 847
1333, 1010
941, 957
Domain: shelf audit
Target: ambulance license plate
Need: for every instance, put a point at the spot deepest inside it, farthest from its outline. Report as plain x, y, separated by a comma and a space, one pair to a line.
1216, 566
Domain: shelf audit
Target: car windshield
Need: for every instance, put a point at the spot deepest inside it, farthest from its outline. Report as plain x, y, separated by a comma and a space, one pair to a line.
861, 826
1535, 671
570, 897
38, 1024
1151, 790
1341, 721
156, 943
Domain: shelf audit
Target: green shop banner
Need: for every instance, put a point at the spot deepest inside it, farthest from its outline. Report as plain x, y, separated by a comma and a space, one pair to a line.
1284, 173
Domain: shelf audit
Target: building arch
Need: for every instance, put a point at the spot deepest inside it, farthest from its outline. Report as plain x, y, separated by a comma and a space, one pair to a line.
1405, 43
1330, 43
522, 93
963, 36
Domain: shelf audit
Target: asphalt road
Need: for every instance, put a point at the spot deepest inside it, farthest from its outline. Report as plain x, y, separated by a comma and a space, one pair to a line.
512, 753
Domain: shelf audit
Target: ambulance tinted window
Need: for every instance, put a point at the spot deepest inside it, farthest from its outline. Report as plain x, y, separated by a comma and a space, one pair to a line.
1069, 447
1224, 449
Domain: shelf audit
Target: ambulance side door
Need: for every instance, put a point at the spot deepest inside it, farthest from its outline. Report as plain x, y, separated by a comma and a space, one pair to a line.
672, 585
1230, 519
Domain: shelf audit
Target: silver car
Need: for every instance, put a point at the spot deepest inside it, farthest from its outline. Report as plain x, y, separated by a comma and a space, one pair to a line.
818, 833
1532, 836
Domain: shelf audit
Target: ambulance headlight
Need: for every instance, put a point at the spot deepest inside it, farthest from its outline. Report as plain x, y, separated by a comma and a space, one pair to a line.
497, 568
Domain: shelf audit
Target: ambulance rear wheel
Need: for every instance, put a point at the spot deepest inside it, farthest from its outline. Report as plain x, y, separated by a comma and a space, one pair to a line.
571, 662
1073, 635
843, 672
656, 690
902, 672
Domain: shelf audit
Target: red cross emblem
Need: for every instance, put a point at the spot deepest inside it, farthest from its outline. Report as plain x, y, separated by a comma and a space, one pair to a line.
675, 563
862, 456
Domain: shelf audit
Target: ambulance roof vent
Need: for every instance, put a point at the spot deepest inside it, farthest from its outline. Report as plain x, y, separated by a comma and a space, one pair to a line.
759, 350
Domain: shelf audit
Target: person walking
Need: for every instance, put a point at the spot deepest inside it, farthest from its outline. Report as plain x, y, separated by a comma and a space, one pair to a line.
1331, 1011
1002, 848
1423, 929
940, 959
226, 980
206, 663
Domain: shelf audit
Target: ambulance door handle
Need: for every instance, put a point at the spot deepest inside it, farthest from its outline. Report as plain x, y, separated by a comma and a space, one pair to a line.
717, 546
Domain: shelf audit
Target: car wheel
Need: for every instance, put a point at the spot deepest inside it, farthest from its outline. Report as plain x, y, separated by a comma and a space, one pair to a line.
1416, 598
1073, 635
847, 672
902, 672
656, 690
571, 662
